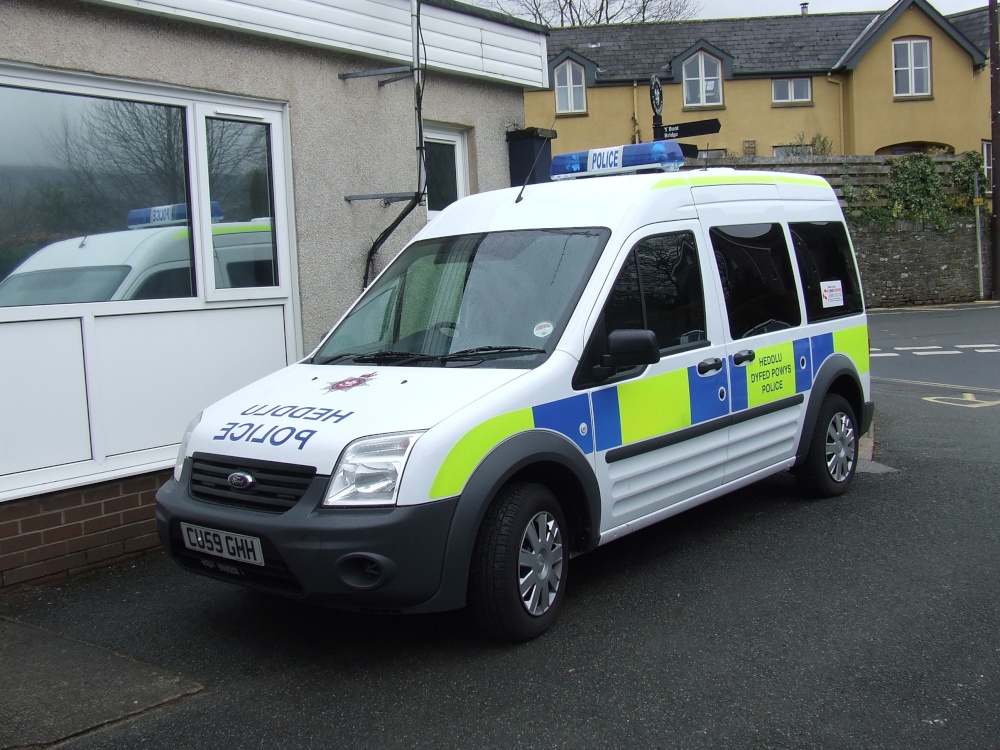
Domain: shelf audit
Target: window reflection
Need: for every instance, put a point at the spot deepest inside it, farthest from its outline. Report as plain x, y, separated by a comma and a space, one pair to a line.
72, 168
239, 176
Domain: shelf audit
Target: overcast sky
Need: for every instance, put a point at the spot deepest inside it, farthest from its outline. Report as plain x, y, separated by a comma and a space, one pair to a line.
743, 8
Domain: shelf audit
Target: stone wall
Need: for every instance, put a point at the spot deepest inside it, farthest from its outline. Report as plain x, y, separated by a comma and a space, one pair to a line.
913, 265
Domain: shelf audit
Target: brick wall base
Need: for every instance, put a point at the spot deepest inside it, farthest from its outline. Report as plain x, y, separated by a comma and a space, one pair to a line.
57, 536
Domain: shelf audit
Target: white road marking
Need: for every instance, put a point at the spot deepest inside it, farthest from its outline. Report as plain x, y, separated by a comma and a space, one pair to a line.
885, 354
913, 348
930, 354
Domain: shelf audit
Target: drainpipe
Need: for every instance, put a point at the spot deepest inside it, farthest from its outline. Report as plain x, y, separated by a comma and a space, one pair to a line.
840, 108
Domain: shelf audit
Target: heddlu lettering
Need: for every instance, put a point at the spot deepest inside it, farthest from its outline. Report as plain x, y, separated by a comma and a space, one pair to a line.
263, 433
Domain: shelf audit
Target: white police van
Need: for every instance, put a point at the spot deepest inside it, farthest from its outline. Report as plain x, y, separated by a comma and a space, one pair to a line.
539, 372
149, 260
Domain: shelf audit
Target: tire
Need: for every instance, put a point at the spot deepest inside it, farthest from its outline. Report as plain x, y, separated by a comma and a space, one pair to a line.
519, 565
833, 450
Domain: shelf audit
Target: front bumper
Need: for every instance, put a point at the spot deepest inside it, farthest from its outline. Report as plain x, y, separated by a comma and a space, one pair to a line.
370, 559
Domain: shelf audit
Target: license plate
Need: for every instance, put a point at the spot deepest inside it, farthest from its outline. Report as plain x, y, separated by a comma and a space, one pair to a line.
222, 544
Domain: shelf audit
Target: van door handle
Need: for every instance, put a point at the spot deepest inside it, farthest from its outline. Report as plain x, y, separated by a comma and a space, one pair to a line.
709, 365
747, 355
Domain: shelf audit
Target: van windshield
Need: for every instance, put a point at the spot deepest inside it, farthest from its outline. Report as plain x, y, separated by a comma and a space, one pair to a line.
499, 299
62, 286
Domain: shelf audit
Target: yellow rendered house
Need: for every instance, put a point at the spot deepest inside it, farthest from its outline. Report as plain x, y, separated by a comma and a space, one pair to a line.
905, 80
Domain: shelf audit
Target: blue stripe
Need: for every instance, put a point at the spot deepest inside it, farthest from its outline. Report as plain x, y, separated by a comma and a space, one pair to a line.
803, 365
738, 386
566, 416
705, 392
822, 347
607, 419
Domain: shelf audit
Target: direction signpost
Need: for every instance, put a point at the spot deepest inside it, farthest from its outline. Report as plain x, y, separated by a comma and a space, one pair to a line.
663, 132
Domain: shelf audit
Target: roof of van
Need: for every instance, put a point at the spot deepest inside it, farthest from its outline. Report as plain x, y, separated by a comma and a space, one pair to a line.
616, 201
123, 248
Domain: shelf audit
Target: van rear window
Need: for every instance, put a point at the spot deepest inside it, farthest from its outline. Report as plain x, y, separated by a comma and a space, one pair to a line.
62, 286
829, 279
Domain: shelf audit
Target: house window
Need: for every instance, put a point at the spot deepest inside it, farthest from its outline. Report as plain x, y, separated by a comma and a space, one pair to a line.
570, 91
911, 66
702, 81
712, 153
791, 90
987, 187
446, 160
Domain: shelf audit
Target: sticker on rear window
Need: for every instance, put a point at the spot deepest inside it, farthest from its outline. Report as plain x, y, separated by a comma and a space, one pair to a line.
833, 293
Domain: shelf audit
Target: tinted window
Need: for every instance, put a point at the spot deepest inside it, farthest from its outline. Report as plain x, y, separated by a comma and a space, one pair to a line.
757, 279
826, 266
172, 282
671, 288
62, 286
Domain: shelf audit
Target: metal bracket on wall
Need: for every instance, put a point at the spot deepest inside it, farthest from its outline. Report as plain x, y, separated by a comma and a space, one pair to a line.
398, 74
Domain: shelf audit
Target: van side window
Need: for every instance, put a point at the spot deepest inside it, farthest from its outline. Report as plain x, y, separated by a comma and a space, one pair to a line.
671, 288
757, 280
659, 288
829, 277
166, 284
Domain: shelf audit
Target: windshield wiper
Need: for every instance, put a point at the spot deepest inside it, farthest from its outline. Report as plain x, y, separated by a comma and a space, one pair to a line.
481, 352
386, 356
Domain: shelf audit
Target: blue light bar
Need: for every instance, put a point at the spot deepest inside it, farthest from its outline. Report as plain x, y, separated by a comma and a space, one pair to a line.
664, 156
164, 216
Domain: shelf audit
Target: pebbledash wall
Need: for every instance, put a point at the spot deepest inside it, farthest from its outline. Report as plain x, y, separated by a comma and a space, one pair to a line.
81, 496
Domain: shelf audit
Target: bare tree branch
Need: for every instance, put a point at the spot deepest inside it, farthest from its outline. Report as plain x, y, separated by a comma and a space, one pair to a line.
558, 13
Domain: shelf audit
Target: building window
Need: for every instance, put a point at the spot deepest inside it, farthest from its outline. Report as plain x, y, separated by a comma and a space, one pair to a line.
987, 186
791, 90
911, 66
98, 202
446, 160
712, 153
571, 95
702, 81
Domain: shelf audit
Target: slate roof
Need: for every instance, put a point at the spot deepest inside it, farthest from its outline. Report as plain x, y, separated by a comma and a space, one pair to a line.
763, 46
974, 25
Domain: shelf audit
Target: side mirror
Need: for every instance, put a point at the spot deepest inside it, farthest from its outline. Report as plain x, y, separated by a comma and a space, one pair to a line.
628, 347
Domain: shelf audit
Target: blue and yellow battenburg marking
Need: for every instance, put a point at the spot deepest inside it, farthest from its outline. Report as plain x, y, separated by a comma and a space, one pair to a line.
566, 416
648, 407
642, 409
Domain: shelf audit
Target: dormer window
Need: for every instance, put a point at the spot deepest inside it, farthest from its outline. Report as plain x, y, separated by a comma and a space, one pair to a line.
911, 67
571, 96
702, 80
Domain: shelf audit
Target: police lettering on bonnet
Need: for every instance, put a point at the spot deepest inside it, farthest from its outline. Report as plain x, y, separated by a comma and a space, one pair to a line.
530, 379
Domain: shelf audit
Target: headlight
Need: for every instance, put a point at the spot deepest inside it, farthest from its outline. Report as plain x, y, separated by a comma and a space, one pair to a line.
369, 471
184, 446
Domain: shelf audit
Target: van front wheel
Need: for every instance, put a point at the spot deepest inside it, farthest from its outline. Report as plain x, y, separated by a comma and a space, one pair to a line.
519, 565
833, 450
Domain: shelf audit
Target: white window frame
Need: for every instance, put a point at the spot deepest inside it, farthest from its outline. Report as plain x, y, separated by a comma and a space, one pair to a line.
458, 138
911, 68
204, 248
791, 98
102, 460
575, 88
703, 80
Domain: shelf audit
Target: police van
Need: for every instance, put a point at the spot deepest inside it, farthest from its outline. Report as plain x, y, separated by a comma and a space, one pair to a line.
538, 373
149, 260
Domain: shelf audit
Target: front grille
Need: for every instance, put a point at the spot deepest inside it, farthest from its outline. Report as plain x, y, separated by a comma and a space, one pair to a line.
276, 487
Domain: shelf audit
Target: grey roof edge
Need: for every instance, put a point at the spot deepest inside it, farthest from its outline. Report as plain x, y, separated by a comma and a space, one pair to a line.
889, 16
487, 14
